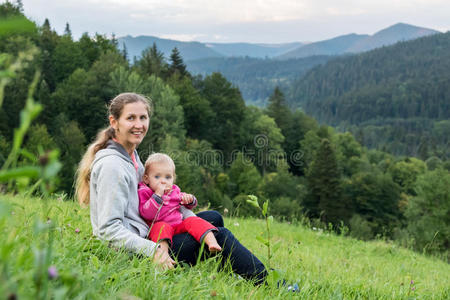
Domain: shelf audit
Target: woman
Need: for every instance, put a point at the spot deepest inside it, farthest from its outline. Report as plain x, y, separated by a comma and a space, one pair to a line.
107, 179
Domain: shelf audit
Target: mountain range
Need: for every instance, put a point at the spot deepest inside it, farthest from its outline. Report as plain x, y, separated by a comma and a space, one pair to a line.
349, 43
356, 43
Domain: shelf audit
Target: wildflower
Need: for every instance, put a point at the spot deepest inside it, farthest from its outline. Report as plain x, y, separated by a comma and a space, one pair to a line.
52, 272
77, 230
225, 211
412, 282
236, 224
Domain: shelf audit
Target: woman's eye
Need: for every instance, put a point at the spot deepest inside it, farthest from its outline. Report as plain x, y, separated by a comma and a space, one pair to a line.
144, 118
130, 118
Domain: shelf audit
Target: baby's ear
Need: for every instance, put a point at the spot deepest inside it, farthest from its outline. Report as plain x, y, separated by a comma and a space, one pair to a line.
145, 178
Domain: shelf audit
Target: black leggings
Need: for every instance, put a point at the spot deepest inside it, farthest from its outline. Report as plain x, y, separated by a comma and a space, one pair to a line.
186, 249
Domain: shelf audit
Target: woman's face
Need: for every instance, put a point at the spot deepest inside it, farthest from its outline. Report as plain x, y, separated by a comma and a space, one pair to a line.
132, 125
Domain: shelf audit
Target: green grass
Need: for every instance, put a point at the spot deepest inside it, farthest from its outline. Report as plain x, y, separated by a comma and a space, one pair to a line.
326, 266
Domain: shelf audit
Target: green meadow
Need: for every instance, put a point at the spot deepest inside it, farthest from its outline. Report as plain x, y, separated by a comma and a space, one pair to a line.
325, 265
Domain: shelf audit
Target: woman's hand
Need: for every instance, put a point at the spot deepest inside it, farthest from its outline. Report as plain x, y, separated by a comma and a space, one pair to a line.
186, 199
162, 257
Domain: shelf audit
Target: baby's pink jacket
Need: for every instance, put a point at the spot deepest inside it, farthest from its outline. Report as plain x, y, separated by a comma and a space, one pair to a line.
149, 203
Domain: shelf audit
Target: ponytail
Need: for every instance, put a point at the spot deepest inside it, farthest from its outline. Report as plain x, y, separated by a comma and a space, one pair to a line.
83, 173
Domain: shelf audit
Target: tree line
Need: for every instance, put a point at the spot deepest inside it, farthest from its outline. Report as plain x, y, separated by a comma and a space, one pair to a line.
223, 149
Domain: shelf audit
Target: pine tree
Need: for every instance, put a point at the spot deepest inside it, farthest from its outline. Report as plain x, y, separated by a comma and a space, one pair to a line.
19, 5
152, 62
279, 110
67, 31
324, 185
48, 41
124, 51
176, 63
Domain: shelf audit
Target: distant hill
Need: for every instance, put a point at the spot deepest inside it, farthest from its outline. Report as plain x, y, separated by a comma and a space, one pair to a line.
197, 50
253, 50
354, 43
349, 43
335, 46
397, 94
389, 36
188, 50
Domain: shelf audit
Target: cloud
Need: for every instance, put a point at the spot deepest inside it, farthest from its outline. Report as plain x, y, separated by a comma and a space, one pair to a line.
238, 20
183, 37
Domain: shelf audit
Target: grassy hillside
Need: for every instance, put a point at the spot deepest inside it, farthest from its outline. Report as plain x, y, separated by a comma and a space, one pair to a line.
326, 266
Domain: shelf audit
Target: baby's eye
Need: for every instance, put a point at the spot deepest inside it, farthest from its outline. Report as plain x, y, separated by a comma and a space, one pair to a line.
157, 176
168, 177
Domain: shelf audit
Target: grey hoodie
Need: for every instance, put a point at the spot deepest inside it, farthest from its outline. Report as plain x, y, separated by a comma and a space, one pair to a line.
114, 200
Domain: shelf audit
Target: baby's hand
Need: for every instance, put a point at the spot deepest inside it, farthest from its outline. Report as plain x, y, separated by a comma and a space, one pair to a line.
186, 199
160, 189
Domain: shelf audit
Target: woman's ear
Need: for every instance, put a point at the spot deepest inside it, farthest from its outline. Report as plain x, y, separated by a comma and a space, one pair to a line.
112, 122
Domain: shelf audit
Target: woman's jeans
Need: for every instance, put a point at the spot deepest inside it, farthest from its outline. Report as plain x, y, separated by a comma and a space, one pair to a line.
186, 249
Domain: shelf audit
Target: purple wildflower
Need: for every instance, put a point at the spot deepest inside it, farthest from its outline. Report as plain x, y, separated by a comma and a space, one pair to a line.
77, 230
412, 282
52, 272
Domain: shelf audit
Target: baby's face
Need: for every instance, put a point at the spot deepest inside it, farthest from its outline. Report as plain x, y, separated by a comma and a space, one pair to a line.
159, 174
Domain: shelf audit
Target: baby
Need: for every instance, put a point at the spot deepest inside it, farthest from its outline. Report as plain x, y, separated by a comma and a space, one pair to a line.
160, 201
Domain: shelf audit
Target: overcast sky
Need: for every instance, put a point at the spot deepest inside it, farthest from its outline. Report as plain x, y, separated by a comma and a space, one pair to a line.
254, 21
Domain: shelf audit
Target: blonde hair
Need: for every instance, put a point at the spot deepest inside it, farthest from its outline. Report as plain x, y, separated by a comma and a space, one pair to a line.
115, 108
159, 158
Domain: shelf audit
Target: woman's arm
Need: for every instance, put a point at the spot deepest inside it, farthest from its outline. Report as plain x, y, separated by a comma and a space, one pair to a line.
112, 193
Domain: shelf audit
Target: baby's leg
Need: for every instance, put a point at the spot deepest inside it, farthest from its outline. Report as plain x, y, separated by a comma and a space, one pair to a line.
202, 231
211, 241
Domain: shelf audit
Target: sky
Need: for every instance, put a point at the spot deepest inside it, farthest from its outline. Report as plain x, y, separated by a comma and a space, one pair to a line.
252, 21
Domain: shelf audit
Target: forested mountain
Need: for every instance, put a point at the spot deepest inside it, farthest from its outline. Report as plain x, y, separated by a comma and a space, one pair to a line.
354, 43
256, 78
397, 96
